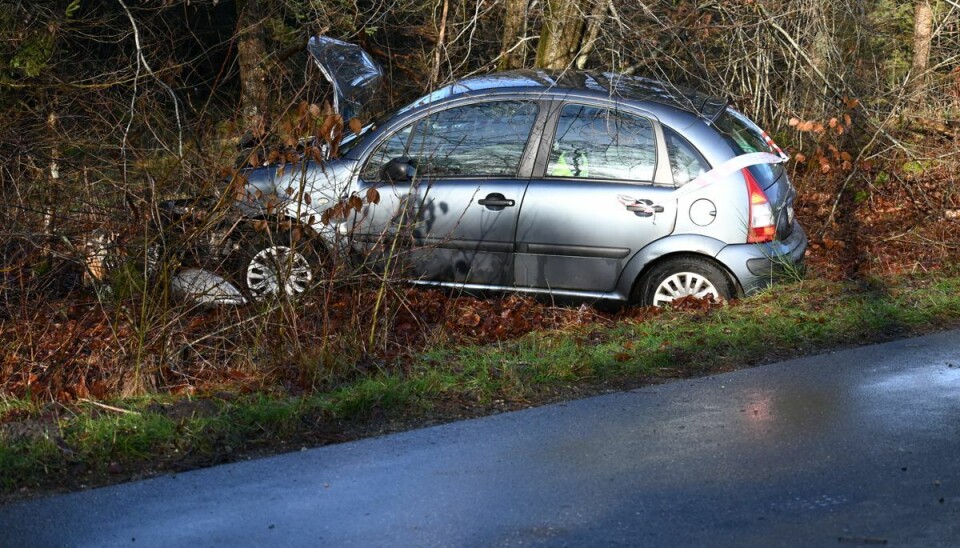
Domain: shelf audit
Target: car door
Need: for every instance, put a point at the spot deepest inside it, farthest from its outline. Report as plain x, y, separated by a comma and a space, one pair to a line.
598, 196
456, 216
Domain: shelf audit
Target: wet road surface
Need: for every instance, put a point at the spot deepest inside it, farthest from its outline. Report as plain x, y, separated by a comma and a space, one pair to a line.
853, 448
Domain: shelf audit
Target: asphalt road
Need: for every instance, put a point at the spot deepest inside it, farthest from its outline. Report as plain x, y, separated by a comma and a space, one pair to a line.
853, 448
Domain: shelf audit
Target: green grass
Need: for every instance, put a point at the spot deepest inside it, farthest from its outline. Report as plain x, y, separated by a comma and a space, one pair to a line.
92, 444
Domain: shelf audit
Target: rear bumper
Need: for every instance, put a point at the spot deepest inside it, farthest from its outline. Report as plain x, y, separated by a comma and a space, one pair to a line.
757, 266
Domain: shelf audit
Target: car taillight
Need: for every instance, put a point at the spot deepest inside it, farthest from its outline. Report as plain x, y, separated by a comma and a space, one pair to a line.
762, 226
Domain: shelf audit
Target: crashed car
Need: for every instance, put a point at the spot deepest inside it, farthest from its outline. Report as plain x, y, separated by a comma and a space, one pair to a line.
590, 185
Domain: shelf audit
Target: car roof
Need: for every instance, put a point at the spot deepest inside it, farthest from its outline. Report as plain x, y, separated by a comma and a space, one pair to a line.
629, 87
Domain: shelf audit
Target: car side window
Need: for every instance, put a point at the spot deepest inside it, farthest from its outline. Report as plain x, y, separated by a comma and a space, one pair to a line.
601, 143
686, 162
478, 140
394, 147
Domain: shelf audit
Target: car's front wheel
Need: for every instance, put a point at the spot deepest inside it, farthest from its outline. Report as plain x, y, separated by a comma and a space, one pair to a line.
277, 264
684, 277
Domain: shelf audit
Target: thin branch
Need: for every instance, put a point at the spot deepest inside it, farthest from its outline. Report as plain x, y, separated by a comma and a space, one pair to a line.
146, 65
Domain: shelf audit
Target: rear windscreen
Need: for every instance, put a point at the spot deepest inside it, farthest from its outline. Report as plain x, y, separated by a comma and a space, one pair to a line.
744, 137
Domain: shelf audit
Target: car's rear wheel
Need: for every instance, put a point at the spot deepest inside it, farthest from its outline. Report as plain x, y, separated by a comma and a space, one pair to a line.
277, 263
684, 277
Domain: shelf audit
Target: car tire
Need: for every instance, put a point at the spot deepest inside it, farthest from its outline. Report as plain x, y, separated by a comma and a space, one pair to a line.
276, 262
681, 277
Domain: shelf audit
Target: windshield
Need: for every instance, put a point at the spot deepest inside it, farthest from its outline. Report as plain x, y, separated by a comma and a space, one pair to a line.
744, 137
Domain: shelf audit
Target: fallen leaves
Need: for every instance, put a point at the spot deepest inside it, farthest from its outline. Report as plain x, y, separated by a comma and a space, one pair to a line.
68, 349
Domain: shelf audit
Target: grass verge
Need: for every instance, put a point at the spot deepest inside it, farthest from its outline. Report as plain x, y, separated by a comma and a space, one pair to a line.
52, 447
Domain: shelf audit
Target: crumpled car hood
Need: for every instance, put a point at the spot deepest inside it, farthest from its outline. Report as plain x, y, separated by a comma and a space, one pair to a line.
356, 78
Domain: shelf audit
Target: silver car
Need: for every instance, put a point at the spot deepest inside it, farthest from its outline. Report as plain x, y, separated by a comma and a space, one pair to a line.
596, 186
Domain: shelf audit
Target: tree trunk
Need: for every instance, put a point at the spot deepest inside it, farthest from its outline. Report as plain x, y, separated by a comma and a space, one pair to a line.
251, 54
597, 18
561, 35
922, 37
819, 22
513, 50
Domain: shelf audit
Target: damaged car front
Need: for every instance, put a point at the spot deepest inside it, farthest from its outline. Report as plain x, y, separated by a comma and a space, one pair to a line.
269, 230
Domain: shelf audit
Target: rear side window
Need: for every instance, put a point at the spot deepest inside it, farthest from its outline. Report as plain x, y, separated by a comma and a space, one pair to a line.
744, 137
600, 143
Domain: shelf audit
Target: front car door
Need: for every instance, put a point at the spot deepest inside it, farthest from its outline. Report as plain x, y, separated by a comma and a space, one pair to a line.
583, 215
456, 218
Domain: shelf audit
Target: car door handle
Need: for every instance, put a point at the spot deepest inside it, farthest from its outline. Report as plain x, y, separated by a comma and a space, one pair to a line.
645, 208
641, 208
496, 201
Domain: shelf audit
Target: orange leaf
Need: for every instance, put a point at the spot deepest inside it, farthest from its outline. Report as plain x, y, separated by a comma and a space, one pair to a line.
355, 126
325, 127
469, 318
373, 196
794, 122
356, 203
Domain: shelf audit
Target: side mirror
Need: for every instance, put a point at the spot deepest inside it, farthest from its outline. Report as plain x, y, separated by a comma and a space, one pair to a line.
400, 170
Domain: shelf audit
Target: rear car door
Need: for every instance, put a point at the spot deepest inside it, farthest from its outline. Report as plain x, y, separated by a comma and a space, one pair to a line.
463, 202
583, 215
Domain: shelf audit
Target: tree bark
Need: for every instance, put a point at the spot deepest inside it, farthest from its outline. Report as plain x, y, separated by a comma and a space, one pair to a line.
513, 50
819, 21
561, 35
597, 18
251, 54
922, 38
